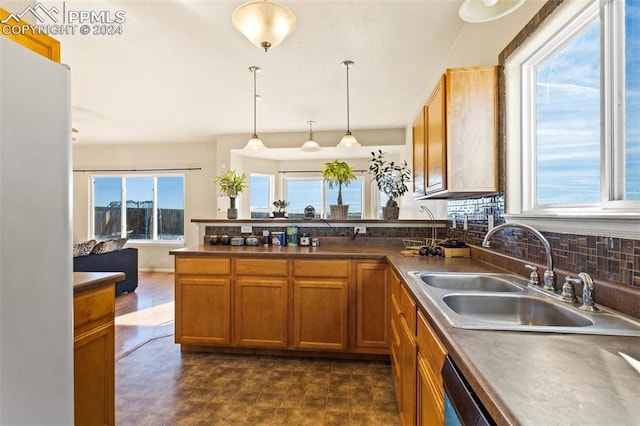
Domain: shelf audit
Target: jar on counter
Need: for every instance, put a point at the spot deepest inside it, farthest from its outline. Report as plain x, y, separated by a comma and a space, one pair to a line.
305, 240
277, 239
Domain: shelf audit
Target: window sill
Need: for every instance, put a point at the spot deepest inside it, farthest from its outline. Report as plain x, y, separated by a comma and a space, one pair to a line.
604, 224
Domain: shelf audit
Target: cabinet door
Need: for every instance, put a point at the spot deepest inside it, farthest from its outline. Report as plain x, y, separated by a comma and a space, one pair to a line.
418, 154
203, 310
261, 314
430, 409
471, 98
372, 306
408, 360
436, 140
321, 319
94, 376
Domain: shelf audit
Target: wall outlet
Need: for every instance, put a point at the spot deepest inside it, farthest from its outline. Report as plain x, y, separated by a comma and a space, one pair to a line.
360, 229
490, 223
465, 223
246, 229
454, 224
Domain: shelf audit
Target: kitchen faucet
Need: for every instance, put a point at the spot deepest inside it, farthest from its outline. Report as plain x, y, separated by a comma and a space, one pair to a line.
549, 276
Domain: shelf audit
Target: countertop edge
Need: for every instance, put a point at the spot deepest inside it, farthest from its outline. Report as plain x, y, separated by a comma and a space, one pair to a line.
86, 281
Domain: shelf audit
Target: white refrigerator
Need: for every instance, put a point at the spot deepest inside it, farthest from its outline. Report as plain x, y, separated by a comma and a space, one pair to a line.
36, 295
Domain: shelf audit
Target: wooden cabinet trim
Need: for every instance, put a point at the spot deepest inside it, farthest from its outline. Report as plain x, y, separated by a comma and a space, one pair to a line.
322, 268
37, 42
203, 265
261, 267
93, 308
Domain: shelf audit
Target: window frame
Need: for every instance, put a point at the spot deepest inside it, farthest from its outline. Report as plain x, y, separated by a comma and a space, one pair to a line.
271, 191
323, 191
610, 217
123, 207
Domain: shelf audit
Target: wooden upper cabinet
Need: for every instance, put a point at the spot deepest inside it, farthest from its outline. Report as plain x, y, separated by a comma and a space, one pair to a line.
472, 130
460, 132
418, 154
37, 42
436, 140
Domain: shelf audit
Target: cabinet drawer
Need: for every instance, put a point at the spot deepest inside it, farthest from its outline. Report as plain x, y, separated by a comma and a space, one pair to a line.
203, 265
93, 305
321, 268
430, 347
262, 267
408, 309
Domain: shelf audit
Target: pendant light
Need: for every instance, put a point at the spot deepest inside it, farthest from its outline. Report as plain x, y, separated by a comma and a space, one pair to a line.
348, 140
477, 11
266, 24
311, 145
254, 143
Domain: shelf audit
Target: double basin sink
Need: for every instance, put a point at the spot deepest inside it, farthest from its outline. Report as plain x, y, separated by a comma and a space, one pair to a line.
487, 301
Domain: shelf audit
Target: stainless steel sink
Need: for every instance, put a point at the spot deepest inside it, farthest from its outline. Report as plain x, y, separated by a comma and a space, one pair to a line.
474, 282
505, 302
514, 310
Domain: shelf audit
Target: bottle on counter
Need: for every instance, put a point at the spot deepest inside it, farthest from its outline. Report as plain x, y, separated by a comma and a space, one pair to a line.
292, 236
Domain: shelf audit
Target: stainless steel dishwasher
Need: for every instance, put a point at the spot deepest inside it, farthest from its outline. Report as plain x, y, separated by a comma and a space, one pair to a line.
461, 404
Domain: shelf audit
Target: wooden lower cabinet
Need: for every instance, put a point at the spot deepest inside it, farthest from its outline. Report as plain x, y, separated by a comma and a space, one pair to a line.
203, 310
336, 305
94, 356
261, 312
372, 307
417, 357
321, 314
431, 355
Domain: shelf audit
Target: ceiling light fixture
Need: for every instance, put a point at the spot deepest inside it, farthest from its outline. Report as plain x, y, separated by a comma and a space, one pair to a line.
264, 23
254, 143
477, 11
348, 140
311, 145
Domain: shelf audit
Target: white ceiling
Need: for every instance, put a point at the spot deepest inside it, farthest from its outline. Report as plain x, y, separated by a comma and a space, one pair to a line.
179, 72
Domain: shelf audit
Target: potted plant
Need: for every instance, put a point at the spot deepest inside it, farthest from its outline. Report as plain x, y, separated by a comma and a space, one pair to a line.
281, 207
391, 179
231, 184
338, 173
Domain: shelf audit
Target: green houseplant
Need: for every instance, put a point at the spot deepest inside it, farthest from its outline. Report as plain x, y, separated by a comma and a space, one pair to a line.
338, 173
231, 184
391, 179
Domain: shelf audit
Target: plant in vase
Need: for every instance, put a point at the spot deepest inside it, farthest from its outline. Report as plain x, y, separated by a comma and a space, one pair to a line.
281, 207
391, 179
231, 184
338, 173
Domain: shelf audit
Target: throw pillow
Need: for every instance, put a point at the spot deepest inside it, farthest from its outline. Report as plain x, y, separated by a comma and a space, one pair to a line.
120, 243
84, 248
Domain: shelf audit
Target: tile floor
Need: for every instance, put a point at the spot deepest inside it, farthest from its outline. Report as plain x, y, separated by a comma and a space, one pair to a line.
156, 384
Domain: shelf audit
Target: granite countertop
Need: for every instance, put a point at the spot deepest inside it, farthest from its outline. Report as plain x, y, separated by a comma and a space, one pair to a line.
85, 281
521, 377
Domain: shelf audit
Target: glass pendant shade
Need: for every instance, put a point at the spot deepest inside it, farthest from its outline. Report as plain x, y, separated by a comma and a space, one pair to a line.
348, 141
311, 145
254, 144
477, 11
266, 24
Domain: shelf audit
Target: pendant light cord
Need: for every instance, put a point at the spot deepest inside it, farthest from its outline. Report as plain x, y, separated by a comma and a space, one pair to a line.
347, 64
255, 135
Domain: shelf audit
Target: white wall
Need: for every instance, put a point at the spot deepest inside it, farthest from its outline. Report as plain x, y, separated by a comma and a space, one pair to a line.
199, 192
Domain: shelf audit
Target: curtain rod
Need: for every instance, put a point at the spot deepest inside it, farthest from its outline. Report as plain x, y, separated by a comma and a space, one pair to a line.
311, 171
137, 170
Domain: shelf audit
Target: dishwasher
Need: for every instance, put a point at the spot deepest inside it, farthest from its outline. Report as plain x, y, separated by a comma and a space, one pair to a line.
461, 404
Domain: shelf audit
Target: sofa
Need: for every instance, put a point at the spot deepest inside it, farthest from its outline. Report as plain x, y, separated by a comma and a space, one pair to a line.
117, 260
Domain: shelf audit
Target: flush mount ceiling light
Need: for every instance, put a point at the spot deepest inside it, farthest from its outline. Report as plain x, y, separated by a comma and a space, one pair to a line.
348, 140
311, 145
476, 11
264, 23
254, 143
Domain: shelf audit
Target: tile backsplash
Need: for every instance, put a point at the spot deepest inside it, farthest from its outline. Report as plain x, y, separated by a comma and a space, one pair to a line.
606, 258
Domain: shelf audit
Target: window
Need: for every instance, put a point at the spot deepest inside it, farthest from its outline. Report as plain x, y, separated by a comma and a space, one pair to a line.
303, 191
148, 208
573, 116
260, 195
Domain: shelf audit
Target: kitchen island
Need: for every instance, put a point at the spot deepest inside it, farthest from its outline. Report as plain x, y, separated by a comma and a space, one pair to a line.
520, 377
